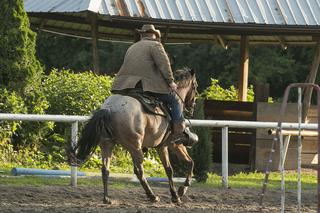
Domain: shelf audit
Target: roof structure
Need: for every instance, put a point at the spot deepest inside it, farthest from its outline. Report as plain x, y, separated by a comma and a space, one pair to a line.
284, 22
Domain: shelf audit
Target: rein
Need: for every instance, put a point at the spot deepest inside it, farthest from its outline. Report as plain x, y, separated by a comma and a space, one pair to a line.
182, 101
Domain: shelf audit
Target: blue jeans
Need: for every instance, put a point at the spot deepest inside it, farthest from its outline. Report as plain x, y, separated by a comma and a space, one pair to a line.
172, 101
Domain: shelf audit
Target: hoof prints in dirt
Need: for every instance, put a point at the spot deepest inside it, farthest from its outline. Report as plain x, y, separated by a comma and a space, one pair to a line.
198, 199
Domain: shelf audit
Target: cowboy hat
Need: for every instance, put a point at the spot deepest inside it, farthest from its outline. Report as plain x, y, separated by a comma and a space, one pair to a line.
149, 28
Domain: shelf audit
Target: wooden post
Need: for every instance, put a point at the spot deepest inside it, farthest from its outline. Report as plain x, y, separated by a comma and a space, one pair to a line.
311, 79
95, 36
244, 68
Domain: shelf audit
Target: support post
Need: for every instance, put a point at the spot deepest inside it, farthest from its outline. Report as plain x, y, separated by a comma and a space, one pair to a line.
244, 68
311, 79
299, 150
93, 18
224, 133
74, 139
283, 193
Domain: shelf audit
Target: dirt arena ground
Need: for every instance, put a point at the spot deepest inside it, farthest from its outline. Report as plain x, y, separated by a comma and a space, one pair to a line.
198, 199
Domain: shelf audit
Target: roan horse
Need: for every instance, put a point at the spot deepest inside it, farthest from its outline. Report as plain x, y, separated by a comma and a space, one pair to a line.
122, 120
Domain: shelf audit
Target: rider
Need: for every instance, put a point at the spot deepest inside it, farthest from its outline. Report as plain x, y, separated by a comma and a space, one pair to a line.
147, 66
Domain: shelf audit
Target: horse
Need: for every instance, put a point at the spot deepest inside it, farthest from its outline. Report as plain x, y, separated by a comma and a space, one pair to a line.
122, 120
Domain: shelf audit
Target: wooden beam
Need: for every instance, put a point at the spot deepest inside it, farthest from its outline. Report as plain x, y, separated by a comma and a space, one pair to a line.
244, 68
311, 79
95, 36
222, 42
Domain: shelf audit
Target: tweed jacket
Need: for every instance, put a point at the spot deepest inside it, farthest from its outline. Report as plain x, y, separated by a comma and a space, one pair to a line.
145, 61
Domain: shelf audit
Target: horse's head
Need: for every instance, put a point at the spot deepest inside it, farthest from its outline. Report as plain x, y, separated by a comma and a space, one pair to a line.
187, 88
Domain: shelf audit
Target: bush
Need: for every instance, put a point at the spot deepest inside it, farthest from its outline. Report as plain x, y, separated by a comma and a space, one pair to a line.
75, 94
10, 102
202, 152
216, 92
69, 93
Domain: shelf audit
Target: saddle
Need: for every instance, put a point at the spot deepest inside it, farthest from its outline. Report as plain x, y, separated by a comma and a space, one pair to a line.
153, 106
150, 104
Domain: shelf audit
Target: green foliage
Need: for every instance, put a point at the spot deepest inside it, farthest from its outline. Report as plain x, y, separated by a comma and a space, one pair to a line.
216, 92
201, 152
10, 153
75, 94
20, 84
19, 68
72, 94
10, 102
76, 54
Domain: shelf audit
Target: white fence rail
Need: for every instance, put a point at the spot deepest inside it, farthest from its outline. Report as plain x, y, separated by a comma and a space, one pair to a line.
224, 124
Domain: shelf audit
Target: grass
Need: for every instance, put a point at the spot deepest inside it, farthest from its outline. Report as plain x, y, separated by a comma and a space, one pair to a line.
255, 180
241, 180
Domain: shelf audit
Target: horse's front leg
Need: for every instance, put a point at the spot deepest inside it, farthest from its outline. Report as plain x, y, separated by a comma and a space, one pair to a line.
164, 157
182, 153
137, 156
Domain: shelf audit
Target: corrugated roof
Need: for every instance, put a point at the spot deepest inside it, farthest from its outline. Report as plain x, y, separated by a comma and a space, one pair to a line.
279, 12
225, 17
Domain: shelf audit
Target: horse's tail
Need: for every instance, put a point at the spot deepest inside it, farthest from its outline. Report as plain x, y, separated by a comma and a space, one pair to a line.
97, 127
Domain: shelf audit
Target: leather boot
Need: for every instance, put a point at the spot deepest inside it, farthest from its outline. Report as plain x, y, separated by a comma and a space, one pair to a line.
178, 130
190, 139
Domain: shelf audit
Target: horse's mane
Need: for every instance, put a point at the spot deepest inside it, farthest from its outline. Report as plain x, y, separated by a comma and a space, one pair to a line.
183, 77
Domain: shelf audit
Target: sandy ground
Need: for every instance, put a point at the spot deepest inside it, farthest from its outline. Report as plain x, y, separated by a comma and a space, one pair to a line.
133, 199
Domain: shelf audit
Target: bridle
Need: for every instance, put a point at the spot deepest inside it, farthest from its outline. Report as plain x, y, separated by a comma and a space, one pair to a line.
188, 104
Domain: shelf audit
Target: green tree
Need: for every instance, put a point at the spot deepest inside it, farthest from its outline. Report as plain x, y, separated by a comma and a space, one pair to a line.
19, 68
20, 71
61, 52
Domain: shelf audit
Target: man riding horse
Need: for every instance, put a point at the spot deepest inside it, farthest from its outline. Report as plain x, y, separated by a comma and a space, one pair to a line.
146, 66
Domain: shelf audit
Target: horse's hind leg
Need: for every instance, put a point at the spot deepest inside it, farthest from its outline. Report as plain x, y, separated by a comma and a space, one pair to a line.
137, 156
164, 157
182, 153
106, 152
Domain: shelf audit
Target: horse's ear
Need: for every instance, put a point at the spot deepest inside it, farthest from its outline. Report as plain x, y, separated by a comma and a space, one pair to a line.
192, 71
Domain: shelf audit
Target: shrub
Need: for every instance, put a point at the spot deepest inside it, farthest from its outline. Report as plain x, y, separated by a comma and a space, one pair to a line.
75, 94
10, 102
72, 94
201, 152
216, 92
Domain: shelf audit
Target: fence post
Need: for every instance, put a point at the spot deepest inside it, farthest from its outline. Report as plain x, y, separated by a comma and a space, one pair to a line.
74, 139
224, 133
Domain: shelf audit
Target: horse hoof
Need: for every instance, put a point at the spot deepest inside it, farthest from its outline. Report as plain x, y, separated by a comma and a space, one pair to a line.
155, 199
107, 200
182, 190
176, 200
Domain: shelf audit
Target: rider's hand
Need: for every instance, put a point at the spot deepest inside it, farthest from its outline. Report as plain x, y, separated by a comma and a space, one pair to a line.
173, 87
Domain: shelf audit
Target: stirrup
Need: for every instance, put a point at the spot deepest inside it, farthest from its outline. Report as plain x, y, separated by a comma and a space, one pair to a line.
190, 139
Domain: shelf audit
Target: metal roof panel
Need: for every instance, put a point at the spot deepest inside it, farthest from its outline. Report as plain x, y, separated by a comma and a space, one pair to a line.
279, 12
186, 19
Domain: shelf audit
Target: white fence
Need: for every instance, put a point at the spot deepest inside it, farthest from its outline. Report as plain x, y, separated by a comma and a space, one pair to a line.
224, 124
